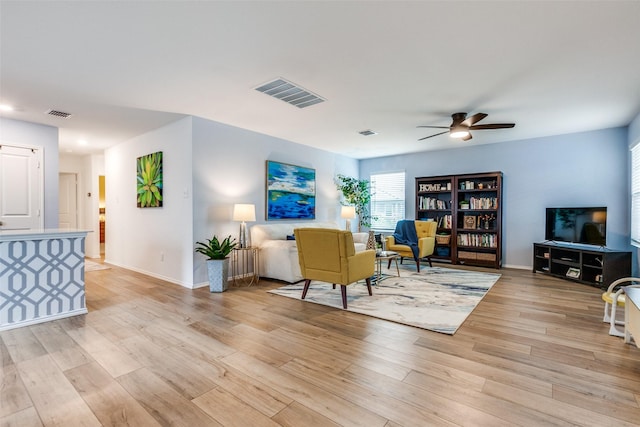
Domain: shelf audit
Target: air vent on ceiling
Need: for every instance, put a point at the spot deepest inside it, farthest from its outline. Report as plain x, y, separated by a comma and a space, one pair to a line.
367, 132
290, 93
57, 113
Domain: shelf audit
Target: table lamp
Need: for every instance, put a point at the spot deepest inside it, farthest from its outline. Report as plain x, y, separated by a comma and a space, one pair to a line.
244, 212
348, 213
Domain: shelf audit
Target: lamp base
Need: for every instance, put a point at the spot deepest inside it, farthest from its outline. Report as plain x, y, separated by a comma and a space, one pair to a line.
243, 235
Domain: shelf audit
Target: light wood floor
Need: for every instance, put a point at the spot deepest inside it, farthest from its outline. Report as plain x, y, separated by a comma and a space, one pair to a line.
534, 353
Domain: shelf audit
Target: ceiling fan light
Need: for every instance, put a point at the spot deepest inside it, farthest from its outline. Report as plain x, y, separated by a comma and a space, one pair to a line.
458, 132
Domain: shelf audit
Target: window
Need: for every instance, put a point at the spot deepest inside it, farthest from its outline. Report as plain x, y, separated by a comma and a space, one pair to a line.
635, 195
387, 200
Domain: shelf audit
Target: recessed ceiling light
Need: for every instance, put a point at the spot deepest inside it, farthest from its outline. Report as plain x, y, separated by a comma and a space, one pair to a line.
6, 107
82, 142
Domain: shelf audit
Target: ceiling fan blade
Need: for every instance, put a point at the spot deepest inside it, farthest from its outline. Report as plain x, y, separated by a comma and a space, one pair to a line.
431, 136
466, 138
470, 121
434, 127
492, 126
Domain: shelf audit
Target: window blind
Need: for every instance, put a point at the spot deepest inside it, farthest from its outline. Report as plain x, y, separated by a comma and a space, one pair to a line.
635, 195
387, 200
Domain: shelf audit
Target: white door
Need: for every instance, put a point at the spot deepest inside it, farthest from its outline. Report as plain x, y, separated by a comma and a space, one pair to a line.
20, 187
68, 201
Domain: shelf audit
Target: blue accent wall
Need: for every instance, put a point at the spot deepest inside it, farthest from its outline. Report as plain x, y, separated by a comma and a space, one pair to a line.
580, 169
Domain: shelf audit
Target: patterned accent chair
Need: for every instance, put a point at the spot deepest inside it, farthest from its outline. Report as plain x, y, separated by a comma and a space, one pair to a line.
329, 256
426, 231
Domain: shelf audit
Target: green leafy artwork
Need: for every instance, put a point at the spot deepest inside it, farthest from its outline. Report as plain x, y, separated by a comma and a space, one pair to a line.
149, 180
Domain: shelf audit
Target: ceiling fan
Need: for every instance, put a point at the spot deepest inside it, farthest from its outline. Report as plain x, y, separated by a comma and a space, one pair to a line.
462, 124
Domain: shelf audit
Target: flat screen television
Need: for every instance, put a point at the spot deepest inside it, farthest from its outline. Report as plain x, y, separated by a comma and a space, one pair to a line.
586, 225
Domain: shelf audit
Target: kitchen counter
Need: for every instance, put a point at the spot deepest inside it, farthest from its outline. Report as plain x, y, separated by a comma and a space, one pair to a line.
41, 276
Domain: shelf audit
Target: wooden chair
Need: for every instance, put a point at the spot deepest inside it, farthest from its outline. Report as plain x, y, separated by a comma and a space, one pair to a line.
329, 256
614, 298
426, 231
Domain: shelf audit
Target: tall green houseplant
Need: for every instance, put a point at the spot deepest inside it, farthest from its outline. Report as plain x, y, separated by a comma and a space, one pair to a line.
357, 193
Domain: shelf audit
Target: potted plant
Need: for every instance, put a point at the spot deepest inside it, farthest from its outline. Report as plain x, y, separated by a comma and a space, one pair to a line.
217, 253
356, 193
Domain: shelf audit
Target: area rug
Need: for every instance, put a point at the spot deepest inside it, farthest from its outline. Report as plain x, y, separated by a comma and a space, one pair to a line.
438, 299
94, 266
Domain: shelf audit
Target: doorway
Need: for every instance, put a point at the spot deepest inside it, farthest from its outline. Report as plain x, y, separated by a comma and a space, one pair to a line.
68, 200
21, 183
102, 210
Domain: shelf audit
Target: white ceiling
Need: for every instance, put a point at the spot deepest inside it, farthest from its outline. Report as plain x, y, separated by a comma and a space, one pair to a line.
124, 68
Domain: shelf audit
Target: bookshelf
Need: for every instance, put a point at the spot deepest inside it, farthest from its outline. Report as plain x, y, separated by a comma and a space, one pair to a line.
468, 209
434, 201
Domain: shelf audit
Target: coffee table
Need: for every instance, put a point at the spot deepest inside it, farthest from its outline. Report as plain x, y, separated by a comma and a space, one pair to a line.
385, 256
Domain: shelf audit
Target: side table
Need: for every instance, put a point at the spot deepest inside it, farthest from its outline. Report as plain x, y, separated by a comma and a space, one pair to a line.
385, 256
244, 265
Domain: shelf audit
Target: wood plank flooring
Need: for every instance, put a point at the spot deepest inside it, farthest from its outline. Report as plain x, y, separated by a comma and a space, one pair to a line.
149, 353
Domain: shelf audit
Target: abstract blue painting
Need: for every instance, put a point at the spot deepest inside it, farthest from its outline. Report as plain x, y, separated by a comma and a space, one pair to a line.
291, 191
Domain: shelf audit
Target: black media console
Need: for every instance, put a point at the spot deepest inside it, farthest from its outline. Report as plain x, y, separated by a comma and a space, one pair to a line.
591, 266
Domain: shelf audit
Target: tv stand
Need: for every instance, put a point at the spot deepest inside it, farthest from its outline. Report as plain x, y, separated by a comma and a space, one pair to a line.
597, 266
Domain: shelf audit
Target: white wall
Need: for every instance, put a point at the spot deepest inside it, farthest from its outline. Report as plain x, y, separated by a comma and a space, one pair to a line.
582, 169
154, 241
208, 166
31, 134
229, 166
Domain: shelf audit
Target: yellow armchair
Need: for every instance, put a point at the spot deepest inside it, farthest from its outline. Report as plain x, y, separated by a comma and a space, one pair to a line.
329, 255
426, 231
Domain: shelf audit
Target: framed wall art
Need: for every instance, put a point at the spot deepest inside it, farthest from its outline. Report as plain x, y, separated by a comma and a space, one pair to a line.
149, 180
291, 191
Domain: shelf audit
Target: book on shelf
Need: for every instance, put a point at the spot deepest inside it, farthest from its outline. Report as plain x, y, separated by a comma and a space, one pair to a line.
444, 221
483, 203
574, 273
425, 202
484, 240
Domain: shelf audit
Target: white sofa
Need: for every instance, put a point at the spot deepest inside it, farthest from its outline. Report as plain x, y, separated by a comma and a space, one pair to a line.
279, 256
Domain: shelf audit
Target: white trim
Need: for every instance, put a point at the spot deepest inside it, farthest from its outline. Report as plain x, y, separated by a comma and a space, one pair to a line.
157, 276
43, 319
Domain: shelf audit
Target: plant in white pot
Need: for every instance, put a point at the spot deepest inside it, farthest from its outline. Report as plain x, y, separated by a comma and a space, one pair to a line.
217, 253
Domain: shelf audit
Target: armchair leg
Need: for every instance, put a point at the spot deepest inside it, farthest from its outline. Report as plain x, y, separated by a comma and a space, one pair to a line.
369, 285
306, 288
343, 290
389, 266
418, 265
429, 258
334, 286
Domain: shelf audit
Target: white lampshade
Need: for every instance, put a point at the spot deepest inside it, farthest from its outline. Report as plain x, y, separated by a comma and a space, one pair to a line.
244, 212
348, 212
